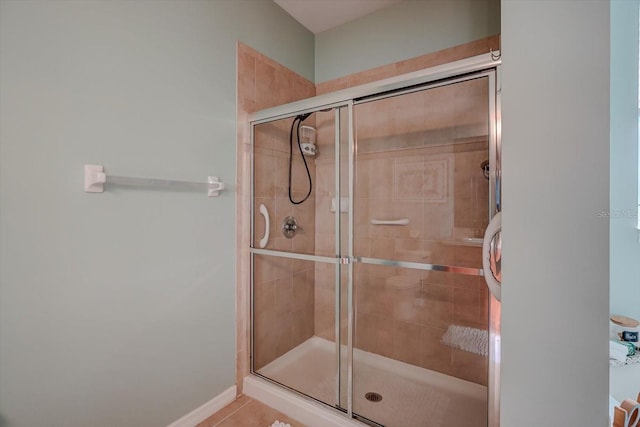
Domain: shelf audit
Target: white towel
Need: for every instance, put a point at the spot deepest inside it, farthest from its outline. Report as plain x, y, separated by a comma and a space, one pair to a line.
277, 423
618, 351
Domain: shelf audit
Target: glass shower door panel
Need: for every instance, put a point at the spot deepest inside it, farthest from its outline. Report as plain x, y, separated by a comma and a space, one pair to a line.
421, 203
420, 184
293, 325
291, 186
298, 282
420, 348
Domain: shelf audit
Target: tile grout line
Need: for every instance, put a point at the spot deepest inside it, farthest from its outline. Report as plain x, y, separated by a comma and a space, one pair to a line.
231, 414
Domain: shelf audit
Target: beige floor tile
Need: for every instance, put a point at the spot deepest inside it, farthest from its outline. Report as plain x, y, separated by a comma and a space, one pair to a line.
247, 412
225, 412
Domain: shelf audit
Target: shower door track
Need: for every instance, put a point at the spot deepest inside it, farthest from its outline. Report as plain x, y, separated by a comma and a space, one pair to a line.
474, 67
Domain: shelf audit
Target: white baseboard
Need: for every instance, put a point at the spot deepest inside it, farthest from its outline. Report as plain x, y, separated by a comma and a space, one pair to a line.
209, 408
307, 411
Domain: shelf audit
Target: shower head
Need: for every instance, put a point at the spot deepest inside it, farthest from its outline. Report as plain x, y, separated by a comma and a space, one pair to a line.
296, 125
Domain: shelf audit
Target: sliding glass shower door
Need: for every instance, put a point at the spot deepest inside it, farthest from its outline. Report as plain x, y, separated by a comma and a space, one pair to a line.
421, 205
297, 279
367, 287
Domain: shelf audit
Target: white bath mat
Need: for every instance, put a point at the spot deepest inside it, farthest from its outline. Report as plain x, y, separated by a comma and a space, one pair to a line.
277, 423
468, 339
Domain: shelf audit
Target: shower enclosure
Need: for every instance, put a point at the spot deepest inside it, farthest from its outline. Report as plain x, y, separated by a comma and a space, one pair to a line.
368, 295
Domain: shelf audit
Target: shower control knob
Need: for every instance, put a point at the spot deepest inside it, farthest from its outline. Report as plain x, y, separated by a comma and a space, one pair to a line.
289, 227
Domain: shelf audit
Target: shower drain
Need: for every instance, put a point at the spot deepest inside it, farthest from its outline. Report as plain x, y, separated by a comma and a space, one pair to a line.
373, 397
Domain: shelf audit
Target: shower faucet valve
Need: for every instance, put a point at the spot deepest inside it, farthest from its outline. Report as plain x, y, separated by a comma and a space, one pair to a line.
290, 227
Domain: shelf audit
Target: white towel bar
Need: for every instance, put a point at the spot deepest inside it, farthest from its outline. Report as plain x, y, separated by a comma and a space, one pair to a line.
95, 178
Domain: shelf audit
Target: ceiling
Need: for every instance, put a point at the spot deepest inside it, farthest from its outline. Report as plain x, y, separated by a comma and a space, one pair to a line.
321, 15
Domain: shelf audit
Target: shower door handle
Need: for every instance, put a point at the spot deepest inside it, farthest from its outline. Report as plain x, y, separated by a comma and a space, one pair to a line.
265, 213
492, 255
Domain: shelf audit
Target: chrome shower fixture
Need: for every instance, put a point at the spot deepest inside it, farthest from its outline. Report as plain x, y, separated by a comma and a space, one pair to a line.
485, 168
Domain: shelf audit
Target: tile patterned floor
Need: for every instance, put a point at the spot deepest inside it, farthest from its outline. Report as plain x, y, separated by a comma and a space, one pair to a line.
247, 412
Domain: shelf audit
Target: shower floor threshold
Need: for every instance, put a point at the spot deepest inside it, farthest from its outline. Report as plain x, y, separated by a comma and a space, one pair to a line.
411, 396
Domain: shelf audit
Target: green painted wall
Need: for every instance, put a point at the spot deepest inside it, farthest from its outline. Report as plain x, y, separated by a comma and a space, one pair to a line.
625, 243
405, 30
555, 155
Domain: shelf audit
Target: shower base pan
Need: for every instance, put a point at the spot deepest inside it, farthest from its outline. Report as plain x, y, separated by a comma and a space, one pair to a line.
411, 396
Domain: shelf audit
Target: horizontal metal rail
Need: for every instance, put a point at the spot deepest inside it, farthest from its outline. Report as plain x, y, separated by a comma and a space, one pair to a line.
469, 271
292, 255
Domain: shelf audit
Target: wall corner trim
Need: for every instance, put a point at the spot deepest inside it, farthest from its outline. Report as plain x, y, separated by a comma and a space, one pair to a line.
207, 409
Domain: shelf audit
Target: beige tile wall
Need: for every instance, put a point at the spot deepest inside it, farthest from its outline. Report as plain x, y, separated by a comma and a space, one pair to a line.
403, 313
402, 310
283, 288
440, 189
